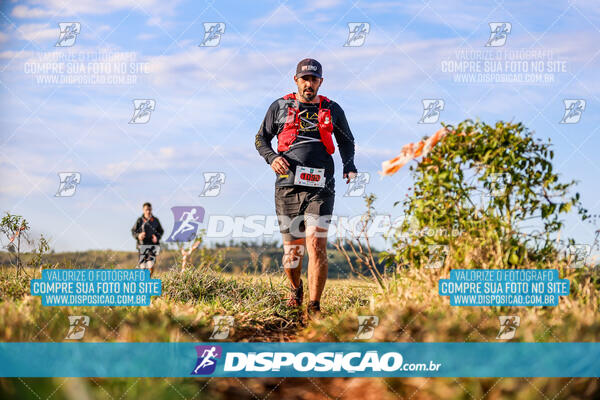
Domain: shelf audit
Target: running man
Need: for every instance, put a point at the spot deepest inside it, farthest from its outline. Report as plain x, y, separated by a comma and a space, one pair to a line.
304, 124
147, 231
432, 109
144, 109
576, 108
357, 33
189, 222
207, 357
500, 32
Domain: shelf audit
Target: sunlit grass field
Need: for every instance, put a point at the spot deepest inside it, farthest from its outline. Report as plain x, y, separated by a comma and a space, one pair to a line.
409, 311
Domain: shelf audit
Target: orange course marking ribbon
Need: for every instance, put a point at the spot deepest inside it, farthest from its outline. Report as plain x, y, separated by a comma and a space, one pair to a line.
411, 151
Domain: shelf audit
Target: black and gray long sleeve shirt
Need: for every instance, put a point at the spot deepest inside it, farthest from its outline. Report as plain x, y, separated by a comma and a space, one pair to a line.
306, 151
151, 226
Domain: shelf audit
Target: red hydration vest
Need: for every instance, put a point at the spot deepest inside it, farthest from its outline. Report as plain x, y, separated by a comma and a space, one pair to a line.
288, 134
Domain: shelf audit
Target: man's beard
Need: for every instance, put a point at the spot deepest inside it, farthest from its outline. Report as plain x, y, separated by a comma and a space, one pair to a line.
310, 95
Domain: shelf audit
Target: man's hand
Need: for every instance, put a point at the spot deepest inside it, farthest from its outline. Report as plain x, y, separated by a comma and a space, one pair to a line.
349, 176
154, 239
141, 236
280, 165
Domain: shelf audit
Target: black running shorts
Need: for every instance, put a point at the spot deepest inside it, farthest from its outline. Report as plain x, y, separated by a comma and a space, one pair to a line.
297, 206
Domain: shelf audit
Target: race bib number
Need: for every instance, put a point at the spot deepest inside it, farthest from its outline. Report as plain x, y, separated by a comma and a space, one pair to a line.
306, 176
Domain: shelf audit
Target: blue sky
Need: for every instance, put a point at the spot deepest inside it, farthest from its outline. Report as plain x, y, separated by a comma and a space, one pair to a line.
210, 101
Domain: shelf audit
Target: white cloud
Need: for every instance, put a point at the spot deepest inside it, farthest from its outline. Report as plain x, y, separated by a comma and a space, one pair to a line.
465, 16
22, 172
37, 32
316, 11
282, 15
10, 54
376, 66
146, 36
154, 21
156, 10
104, 28
323, 4
27, 12
377, 153
181, 157
50, 8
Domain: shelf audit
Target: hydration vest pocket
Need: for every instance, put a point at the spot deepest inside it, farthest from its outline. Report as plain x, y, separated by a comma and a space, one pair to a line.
326, 129
288, 134
290, 130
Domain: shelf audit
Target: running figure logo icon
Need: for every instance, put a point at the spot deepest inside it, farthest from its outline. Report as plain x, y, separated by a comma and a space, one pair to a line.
573, 110
431, 111
68, 183
577, 255
292, 254
207, 359
142, 109
498, 184
508, 326
357, 185
147, 255
212, 34
187, 220
212, 184
77, 325
222, 328
437, 255
68, 33
366, 327
357, 33
498, 34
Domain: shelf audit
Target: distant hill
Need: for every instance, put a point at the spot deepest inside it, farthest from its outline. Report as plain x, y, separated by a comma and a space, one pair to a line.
247, 258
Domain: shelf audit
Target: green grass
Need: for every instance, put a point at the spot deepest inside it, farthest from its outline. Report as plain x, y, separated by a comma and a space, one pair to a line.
237, 259
411, 311
184, 311
414, 312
